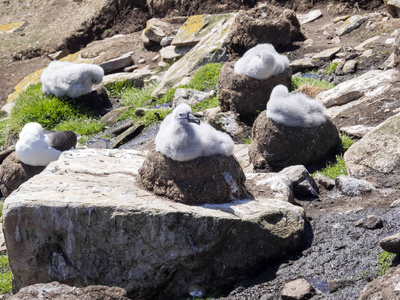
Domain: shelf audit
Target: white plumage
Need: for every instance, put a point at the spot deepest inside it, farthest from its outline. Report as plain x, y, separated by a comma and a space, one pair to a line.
261, 62
62, 78
183, 137
296, 110
34, 146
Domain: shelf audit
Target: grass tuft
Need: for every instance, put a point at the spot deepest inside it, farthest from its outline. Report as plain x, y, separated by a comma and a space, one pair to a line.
298, 81
33, 106
5, 275
337, 168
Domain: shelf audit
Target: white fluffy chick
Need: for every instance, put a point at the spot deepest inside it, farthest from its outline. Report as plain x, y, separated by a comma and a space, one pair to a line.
38, 147
62, 78
183, 137
261, 62
296, 110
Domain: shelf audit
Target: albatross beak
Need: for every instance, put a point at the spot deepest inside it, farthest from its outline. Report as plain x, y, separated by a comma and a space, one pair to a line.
193, 119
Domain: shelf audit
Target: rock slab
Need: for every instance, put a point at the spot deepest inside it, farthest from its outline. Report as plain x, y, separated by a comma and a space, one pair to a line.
91, 224
377, 154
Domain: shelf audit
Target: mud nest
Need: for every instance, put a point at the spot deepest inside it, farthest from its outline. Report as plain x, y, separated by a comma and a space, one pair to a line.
213, 179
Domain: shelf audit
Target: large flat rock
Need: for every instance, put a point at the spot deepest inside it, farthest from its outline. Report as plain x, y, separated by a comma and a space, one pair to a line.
84, 220
377, 154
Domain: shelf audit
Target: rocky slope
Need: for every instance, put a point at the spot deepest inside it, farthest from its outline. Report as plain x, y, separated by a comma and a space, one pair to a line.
343, 253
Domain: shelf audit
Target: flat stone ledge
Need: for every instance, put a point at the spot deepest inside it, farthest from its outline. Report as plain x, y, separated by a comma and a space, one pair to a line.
84, 220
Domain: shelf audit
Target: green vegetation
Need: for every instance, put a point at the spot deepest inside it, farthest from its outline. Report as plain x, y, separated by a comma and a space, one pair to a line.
5, 275
385, 261
298, 81
337, 168
51, 112
331, 68
205, 79
33, 106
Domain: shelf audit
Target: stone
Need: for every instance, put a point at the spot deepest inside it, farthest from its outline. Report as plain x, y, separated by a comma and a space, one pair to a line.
213, 179
350, 66
246, 96
350, 24
393, 7
350, 186
370, 84
127, 135
130, 78
338, 284
156, 30
340, 18
241, 152
376, 154
395, 203
226, 121
166, 41
59, 54
265, 23
13, 173
55, 290
324, 181
173, 53
196, 28
271, 185
298, 289
362, 45
7, 108
369, 222
119, 129
309, 17
302, 182
140, 111
301, 65
104, 229
367, 53
276, 146
391, 243
117, 64
130, 68
11, 27
356, 131
6, 152
389, 63
111, 118
190, 96
383, 287
327, 54
211, 49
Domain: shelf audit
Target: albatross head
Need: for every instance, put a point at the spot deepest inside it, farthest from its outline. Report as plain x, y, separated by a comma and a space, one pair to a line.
183, 114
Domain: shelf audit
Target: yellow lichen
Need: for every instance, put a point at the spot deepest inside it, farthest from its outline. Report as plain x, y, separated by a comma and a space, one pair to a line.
10, 27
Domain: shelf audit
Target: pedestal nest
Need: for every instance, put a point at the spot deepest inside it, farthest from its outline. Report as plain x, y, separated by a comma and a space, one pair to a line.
213, 179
